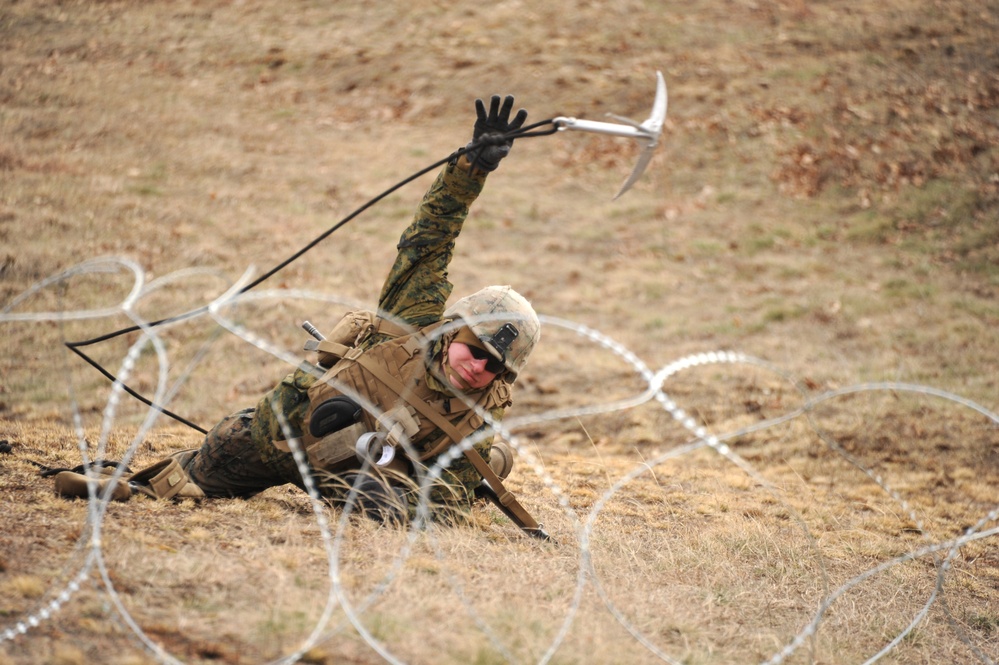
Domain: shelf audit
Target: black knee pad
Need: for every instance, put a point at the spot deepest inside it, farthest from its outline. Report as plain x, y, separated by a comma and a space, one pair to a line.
333, 415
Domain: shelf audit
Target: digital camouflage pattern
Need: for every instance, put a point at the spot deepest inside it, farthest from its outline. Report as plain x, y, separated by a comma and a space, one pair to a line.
239, 458
479, 310
230, 464
417, 287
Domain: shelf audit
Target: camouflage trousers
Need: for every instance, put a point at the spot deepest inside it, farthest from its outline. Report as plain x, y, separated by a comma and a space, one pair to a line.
231, 464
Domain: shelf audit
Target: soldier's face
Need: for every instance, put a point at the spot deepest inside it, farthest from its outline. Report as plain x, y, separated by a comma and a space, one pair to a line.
464, 370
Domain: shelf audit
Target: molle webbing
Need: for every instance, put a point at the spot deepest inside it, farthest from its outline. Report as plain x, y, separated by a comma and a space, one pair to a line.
506, 498
349, 332
395, 370
402, 358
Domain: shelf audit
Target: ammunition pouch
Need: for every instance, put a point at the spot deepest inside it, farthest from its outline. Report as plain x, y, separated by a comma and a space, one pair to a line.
165, 480
501, 459
340, 439
334, 452
350, 331
333, 415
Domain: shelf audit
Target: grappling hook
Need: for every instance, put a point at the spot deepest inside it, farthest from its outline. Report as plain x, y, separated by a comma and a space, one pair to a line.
648, 131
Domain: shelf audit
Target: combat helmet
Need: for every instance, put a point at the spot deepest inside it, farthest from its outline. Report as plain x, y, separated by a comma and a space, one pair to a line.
503, 320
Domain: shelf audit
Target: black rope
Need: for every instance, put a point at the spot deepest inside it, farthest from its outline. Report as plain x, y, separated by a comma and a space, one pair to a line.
523, 132
93, 363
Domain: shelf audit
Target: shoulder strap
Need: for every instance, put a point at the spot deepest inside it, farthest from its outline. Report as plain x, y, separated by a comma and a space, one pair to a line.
327, 346
386, 327
443, 442
505, 498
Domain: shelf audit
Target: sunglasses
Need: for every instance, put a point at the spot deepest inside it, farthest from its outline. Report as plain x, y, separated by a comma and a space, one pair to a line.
493, 364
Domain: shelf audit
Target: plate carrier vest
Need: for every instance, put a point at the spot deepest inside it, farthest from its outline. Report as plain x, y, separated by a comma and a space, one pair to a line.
392, 376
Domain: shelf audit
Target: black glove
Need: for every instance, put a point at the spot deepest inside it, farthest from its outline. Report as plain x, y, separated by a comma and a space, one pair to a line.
489, 130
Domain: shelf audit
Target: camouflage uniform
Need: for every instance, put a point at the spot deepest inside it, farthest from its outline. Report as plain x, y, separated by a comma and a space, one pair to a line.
239, 458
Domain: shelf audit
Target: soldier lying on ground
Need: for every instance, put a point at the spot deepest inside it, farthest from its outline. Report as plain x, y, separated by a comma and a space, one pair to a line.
414, 380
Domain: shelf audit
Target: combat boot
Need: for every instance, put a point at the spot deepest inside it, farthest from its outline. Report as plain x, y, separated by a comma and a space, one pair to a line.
69, 484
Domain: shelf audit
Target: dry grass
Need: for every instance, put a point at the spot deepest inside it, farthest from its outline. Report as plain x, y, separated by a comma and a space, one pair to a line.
825, 199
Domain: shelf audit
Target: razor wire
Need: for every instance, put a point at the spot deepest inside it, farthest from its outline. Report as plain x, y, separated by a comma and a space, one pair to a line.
91, 545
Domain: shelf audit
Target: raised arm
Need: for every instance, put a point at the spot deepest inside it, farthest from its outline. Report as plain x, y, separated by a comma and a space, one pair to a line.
417, 287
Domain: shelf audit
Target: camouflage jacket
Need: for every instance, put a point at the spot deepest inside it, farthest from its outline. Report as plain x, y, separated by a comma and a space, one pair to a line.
415, 293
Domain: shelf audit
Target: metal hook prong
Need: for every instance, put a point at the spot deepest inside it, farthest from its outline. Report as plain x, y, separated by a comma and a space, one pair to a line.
648, 131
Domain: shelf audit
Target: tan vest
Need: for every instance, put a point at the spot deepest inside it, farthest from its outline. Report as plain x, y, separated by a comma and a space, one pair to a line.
392, 376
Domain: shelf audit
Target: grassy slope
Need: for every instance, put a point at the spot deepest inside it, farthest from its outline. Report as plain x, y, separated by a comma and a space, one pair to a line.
825, 199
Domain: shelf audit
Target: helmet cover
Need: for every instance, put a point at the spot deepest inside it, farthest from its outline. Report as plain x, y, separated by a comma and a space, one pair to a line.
504, 322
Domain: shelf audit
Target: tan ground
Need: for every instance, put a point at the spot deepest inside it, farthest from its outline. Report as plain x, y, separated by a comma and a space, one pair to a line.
825, 200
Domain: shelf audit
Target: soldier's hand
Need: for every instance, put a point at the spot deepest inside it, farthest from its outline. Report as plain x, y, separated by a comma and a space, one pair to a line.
488, 133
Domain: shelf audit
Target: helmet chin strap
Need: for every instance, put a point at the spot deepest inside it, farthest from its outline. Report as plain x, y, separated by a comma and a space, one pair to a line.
455, 380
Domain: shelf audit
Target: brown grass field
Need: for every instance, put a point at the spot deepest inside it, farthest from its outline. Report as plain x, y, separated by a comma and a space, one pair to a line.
825, 201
